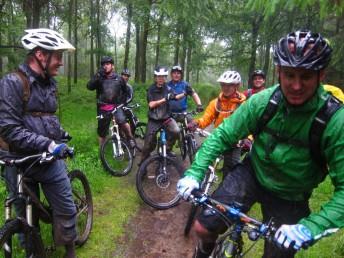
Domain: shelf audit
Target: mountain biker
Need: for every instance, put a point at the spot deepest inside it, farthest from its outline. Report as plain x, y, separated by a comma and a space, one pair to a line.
111, 91
28, 127
125, 74
178, 85
158, 96
258, 83
280, 172
221, 107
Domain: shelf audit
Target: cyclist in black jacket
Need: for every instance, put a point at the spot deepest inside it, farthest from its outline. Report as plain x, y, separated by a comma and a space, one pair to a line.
111, 91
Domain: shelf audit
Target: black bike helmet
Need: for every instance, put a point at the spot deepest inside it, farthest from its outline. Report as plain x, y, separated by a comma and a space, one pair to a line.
303, 49
106, 59
258, 73
176, 68
125, 71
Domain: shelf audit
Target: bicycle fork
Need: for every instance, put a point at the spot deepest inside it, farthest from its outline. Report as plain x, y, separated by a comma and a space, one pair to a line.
116, 144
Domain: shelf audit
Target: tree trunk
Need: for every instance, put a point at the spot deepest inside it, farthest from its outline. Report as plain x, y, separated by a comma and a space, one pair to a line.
137, 54
188, 64
1, 22
69, 72
32, 11
255, 29
157, 49
76, 41
127, 37
184, 49
91, 40
267, 58
144, 43
115, 57
98, 35
176, 50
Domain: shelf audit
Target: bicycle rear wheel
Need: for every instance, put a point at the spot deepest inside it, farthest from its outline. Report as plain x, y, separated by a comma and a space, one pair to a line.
183, 146
158, 189
31, 244
82, 197
117, 164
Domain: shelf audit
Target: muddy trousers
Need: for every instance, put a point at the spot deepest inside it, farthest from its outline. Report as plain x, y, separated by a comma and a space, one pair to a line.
57, 189
241, 186
172, 131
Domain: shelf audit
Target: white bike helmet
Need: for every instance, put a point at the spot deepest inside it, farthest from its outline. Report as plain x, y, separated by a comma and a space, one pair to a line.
230, 77
46, 39
160, 71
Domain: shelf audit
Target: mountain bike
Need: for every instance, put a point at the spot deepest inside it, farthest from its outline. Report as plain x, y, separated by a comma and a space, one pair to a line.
187, 142
37, 209
157, 177
230, 244
115, 154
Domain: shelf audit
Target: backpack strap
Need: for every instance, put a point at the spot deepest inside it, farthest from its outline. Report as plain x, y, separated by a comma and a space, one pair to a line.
249, 93
26, 88
318, 126
26, 95
270, 111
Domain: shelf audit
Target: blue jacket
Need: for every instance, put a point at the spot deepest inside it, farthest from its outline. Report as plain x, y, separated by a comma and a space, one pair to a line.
179, 106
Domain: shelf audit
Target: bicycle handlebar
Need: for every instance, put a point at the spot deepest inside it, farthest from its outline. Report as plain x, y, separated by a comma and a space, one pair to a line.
232, 213
44, 157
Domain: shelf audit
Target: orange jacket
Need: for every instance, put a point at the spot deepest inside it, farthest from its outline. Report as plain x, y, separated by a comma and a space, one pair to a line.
220, 108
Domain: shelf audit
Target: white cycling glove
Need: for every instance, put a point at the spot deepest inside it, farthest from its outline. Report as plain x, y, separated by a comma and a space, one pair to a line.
297, 236
186, 185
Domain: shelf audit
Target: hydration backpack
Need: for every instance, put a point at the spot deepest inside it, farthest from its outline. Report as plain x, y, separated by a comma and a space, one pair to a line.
318, 126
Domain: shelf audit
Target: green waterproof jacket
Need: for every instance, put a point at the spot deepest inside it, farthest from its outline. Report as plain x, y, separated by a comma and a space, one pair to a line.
285, 169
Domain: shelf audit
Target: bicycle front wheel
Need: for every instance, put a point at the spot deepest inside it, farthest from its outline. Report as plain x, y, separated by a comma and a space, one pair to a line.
157, 184
116, 162
82, 197
29, 245
191, 149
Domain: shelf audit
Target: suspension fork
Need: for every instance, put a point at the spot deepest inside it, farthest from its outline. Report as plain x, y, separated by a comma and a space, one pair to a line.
117, 146
163, 148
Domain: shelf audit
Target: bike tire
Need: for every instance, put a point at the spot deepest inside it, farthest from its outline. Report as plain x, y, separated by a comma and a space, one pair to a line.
191, 149
116, 165
182, 146
156, 189
82, 197
191, 218
11, 246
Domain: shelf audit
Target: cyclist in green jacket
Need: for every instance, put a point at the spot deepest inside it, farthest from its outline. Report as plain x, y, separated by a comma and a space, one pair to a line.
279, 174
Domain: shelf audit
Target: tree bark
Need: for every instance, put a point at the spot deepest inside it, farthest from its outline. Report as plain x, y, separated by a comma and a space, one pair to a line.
157, 49
188, 64
176, 50
32, 11
255, 29
127, 37
98, 35
76, 41
267, 57
137, 54
91, 39
69, 72
144, 43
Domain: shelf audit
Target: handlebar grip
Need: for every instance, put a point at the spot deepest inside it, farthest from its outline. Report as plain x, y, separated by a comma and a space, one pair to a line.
197, 193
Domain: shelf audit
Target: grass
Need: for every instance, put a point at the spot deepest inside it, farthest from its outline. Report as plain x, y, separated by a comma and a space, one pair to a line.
115, 199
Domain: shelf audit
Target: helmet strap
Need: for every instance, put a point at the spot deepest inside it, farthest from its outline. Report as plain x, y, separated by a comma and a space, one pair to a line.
44, 69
